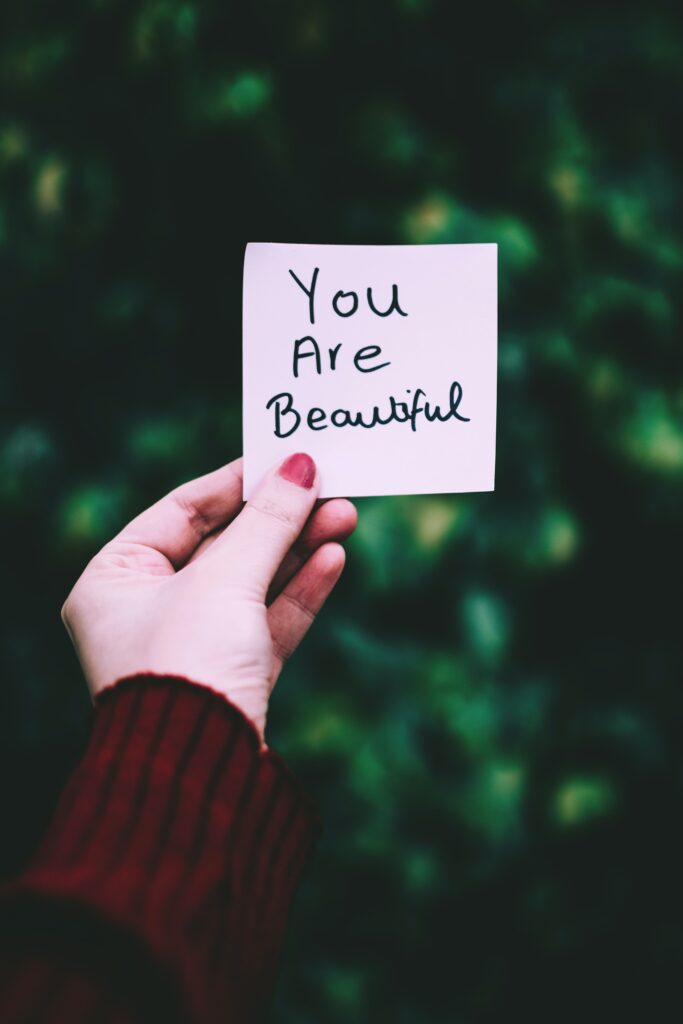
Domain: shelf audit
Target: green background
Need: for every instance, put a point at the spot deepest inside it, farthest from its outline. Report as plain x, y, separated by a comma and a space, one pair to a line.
489, 712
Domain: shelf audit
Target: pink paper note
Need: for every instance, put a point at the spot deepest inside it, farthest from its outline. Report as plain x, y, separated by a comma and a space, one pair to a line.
378, 360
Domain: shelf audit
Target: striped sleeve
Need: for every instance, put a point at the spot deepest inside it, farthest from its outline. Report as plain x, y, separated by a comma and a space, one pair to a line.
163, 886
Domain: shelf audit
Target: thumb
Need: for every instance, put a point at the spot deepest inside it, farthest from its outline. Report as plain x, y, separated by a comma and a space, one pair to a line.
255, 543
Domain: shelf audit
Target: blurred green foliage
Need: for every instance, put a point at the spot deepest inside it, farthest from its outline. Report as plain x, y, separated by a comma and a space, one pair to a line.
489, 713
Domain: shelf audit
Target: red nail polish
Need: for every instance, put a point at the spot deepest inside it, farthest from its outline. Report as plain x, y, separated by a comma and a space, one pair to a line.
298, 469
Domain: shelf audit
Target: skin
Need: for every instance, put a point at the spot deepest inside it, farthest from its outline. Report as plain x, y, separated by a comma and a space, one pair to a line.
204, 586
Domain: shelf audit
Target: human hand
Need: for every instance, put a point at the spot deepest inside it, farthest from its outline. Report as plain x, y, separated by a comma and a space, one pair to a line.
202, 586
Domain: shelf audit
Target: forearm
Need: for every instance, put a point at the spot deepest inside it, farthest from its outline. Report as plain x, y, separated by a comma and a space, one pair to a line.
177, 847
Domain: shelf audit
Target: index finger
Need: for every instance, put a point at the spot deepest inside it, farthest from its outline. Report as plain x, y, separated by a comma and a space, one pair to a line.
177, 523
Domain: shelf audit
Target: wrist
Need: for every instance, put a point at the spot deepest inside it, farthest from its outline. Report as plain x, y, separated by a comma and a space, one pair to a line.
248, 697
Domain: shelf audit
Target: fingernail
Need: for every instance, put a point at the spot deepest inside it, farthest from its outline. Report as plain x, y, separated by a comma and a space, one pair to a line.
298, 469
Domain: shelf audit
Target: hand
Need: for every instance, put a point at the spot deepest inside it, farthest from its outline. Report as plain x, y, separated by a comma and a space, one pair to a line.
202, 586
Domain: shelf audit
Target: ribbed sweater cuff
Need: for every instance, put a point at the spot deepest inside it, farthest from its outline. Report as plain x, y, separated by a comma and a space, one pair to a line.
176, 824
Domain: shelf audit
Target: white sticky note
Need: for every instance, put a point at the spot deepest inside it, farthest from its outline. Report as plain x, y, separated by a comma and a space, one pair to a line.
379, 361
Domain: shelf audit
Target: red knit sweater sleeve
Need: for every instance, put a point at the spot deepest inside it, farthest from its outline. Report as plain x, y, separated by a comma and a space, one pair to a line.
162, 888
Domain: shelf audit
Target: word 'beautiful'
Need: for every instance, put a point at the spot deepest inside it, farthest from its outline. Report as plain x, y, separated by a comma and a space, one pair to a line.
397, 412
